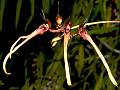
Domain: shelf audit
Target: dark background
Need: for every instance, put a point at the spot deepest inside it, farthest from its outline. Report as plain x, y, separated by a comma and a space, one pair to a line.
38, 65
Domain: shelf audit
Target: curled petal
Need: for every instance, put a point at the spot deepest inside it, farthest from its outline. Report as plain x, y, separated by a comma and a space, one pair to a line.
13, 49
4, 63
54, 43
54, 40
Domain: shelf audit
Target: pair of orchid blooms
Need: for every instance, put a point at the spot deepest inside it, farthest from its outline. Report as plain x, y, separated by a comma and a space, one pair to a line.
66, 30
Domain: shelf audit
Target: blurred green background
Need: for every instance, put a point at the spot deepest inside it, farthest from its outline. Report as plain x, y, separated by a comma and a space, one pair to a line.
39, 66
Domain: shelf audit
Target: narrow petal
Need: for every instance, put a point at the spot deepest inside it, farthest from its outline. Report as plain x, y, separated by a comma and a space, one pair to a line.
103, 59
56, 39
4, 64
13, 49
94, 23
14, 44
101, 22
66, 38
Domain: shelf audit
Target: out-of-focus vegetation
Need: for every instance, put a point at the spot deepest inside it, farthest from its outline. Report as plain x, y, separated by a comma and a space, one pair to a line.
38, 66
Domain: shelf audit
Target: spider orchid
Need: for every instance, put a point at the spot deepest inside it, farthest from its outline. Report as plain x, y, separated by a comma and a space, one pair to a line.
66, 32
84, 34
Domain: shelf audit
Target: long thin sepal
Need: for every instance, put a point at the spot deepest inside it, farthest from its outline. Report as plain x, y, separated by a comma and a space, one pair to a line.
84, 34
66, 38
103, 60
14, 49
94, 23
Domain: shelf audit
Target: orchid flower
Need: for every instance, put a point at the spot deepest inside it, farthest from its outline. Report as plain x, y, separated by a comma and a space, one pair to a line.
66, 33
84, 34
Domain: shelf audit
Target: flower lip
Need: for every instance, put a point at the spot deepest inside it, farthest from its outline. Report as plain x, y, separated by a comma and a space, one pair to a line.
68, 26
82, 31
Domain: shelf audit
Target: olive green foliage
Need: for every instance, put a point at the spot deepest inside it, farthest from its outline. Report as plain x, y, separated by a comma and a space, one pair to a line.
44, 66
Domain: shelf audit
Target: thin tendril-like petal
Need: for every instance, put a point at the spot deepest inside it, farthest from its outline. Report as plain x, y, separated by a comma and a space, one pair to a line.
101, 22
66, 38
15, 48
93, 23
4, 63
103, 60
12, 47
74, 27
